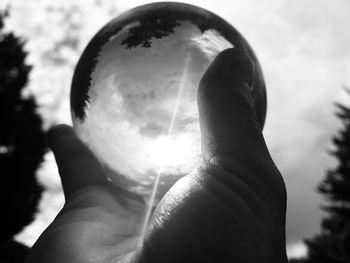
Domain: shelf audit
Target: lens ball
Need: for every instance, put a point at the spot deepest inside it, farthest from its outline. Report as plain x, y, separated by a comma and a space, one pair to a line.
134, 91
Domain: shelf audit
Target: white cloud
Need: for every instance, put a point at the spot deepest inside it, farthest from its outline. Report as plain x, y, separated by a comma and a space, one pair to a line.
296, 250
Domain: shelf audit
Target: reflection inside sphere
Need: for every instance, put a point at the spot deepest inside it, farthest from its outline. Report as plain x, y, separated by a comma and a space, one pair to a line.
134, 92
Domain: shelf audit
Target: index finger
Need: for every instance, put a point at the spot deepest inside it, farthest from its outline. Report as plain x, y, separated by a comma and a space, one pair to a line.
78, 167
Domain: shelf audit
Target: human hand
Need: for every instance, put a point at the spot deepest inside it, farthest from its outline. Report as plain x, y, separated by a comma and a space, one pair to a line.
231, 210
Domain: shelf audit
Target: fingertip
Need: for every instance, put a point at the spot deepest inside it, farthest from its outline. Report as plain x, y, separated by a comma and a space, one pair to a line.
234, 62
231, 74
59, 129
55, 134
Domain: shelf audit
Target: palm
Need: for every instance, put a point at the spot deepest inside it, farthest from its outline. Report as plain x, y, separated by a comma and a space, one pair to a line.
232, 210
97, 220
216, 214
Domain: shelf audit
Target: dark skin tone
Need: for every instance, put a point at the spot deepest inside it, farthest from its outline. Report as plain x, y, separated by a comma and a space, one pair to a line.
231, 210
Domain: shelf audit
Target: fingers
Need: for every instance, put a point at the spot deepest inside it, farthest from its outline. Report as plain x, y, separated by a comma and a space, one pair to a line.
78, 167
228, 122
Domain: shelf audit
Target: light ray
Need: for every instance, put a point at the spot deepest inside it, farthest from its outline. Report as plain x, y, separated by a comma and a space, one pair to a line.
159, 170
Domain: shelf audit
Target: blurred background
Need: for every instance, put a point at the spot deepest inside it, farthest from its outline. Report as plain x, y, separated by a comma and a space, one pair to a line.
303, 47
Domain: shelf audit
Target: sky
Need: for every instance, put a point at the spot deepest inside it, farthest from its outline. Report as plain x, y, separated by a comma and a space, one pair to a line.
302, 46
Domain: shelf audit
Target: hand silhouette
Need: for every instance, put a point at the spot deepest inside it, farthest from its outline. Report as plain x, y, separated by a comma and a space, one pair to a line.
231, 210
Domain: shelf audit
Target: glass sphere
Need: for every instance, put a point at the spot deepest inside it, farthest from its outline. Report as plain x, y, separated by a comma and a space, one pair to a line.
133, 95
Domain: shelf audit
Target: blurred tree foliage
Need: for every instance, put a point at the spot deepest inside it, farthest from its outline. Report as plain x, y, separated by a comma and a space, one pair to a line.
22, 145
332, 245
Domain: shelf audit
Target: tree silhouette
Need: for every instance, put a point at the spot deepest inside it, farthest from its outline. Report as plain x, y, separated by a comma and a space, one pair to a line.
22, 145
153, 27
333, 243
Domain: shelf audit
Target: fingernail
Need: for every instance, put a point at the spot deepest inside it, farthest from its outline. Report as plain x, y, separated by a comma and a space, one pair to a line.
243, 66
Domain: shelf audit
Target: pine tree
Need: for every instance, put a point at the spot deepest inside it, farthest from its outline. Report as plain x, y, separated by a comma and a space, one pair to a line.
22, 143
332, 245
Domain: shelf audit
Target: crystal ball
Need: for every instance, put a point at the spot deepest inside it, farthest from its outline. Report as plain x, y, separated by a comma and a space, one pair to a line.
133, 94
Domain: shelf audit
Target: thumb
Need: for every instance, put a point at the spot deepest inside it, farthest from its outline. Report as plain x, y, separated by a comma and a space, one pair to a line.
229, 126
